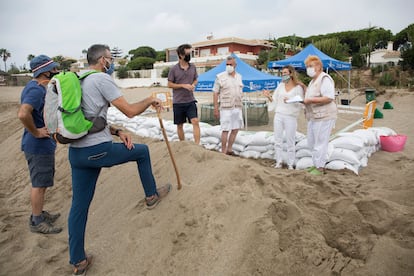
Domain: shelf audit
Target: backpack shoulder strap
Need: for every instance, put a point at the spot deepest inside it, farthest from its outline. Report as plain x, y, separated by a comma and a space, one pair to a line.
84, 75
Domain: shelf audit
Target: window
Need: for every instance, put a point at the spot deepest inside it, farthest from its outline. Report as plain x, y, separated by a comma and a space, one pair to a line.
223, 50
204, 52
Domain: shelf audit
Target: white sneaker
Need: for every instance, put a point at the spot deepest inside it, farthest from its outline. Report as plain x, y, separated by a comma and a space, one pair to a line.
278, 165
290, 167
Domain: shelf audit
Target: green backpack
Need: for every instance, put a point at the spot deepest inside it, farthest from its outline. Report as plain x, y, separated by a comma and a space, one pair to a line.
62, 111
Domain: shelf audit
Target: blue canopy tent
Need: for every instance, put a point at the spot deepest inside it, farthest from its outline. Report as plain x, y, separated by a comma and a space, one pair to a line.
253, 79
298, 60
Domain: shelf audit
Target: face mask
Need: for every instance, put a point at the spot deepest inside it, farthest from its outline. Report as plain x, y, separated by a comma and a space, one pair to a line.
52, 74
187, 58
286, 78
110, 69
229, 69
310, 71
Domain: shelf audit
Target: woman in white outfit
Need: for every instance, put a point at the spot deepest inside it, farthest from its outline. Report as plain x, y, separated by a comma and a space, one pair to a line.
321, 112
286, 114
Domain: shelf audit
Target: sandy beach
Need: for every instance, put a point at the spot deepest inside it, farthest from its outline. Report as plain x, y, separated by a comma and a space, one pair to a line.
233, 216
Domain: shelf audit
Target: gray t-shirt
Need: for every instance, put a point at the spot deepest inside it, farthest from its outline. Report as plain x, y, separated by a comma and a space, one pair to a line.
180, 76
98, 90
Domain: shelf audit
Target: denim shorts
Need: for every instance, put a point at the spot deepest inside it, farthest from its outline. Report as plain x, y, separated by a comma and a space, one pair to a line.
41, 168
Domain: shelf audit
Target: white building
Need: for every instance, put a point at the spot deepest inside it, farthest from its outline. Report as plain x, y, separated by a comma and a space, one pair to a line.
385, 56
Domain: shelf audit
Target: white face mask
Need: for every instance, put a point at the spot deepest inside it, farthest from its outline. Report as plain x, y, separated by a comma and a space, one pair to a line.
229, 69
310, 71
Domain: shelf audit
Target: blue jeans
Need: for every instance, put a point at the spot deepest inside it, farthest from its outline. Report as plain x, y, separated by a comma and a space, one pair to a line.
86, 164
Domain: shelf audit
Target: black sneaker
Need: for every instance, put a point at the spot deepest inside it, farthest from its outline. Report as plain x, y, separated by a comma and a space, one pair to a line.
48, 217
44, 228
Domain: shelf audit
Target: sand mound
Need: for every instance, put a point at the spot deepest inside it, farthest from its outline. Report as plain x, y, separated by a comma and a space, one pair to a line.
234, 216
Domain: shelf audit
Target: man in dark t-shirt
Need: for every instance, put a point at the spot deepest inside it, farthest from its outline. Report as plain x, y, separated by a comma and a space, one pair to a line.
38, 147
182, 78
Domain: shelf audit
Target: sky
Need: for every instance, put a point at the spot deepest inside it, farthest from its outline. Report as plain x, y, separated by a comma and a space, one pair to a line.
54, 27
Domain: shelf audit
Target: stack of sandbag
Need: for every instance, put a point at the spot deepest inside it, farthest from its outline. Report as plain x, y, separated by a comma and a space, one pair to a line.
140, 125
349, 150
352, 149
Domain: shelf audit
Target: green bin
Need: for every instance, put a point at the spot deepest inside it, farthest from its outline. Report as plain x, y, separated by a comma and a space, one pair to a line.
369, 94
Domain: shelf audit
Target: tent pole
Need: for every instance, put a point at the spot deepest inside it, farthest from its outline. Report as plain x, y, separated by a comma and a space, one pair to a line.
349, 86
245, 114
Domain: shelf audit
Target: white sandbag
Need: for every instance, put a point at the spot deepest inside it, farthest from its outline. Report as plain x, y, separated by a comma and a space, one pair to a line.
143, 132
304, 152
368, 136
340, 165
348, 142
210, 146
268, 155
299, 136
302, 144
130, 125
204, 125
150, 122
304, 163
154, 132
250, 154
260, 149
214, 131
188, 128
188, 136
361, 153
364, 161
169, 126
209, 140
262, 138
238, 147
346, 155
243, 138
382, 131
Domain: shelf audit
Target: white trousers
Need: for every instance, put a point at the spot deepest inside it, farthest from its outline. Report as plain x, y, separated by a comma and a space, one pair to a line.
288, 124
318, 140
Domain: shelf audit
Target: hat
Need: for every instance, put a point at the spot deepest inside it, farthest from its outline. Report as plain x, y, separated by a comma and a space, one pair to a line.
41, 64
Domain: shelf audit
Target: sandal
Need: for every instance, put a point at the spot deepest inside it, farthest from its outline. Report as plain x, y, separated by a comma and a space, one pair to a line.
153, 200
81, 267
230, 153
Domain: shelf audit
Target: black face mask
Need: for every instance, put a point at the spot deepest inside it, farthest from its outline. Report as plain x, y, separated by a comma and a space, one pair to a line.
51, 74
187, 58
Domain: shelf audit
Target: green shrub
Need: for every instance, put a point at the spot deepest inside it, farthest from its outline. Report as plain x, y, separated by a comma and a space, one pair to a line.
387, 80
165, 71
122, 72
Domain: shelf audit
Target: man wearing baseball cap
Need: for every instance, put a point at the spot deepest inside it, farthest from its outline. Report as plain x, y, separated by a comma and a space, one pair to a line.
38, 147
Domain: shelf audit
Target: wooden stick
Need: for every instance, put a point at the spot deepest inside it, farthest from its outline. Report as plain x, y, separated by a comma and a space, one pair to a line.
169, 148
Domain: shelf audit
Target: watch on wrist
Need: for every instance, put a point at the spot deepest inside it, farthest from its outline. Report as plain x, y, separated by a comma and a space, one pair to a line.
117, 131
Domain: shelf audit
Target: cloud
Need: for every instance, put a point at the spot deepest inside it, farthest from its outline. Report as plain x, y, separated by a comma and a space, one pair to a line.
166, 22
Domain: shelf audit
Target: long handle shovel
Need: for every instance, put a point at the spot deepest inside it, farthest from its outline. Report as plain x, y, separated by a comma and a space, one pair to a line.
169, 149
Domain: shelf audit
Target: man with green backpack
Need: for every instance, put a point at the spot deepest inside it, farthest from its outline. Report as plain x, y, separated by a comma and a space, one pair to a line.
90, 154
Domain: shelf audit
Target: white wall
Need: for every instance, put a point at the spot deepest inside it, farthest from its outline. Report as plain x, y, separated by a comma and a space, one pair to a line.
140, 82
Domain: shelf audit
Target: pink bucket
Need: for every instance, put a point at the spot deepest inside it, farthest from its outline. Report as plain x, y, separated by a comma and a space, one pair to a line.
393, 143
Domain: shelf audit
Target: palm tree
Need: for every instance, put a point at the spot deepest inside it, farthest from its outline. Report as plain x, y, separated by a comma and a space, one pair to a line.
370, 42
4, 54
30, 57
